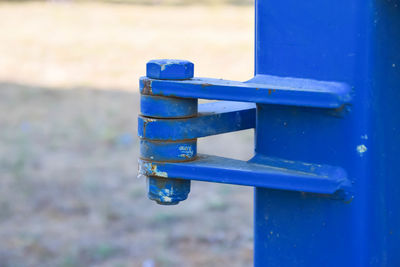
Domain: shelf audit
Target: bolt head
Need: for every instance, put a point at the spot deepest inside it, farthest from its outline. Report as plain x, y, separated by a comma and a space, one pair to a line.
170, 69
167, 191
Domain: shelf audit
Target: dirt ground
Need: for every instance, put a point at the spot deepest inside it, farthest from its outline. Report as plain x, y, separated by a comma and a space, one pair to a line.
69, 195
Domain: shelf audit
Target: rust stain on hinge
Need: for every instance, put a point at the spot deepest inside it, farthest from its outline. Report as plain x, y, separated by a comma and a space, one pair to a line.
150, 169
145, 122
147, 89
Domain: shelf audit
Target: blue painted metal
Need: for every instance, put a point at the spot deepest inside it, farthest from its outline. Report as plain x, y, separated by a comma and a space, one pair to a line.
326, 85
167, 107
167, 191
184, 150
358, 43
213, 118
169, 69
264, 89
262, 172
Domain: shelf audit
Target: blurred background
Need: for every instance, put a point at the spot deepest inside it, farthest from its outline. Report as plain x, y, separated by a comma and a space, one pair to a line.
69, 99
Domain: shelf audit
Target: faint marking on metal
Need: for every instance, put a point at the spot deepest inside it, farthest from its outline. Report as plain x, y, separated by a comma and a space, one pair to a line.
186, 151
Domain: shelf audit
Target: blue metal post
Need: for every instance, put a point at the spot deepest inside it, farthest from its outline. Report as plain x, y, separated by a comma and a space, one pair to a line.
356, 42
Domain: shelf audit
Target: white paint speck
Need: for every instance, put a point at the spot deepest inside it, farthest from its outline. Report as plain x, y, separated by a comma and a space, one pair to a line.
394, 65
166, 199
364, 137
361, 149
166, 191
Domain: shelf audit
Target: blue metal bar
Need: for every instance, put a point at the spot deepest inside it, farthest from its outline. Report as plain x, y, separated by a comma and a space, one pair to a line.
260, 172
213, 118
167, 107
263, 89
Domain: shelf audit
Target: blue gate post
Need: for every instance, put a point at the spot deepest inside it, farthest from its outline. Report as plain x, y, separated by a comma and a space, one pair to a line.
351, 41
325, 105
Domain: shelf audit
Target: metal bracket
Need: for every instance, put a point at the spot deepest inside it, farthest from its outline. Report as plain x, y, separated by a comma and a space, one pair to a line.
260, 172
171, 122
262, 89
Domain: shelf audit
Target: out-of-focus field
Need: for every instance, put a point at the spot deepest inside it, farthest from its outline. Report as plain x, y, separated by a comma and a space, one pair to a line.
68, 151
107, 45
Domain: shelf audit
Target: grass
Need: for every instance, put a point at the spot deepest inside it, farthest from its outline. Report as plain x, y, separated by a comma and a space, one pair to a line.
107, 46
68, 146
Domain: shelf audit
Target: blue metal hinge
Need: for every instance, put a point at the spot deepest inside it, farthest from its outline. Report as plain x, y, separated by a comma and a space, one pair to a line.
171, 122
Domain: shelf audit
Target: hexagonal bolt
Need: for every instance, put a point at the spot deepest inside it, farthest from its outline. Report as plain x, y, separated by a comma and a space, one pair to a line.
170, 69
167, 191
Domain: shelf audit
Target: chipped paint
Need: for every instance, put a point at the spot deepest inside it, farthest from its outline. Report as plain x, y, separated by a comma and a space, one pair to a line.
166, 191
145, 122
166, 195
361, 149
147, 87
166, 199
170, 63
150, 169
